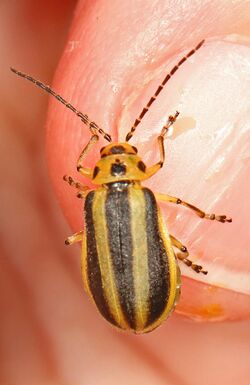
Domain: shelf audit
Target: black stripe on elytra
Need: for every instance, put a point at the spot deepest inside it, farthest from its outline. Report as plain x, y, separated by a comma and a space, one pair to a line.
93, 268
157, 261
118, 219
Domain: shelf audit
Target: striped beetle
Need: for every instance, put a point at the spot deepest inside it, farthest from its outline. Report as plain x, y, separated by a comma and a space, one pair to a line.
129, 267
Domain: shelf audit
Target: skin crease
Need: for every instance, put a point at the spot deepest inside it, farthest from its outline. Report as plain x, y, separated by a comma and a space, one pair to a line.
50, 332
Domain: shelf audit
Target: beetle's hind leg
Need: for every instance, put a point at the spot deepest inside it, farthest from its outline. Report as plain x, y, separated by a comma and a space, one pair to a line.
82, 190
77, 237
200, 213
184, 256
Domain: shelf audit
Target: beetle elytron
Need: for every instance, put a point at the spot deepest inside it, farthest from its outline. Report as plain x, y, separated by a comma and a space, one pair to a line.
129, 267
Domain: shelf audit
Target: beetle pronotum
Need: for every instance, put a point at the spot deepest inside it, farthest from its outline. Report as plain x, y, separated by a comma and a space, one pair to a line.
129, 267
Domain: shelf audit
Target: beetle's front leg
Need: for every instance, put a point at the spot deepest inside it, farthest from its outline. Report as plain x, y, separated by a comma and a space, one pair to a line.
156, 167
77, 237
86, 171
82, 190
184, 256
200, 213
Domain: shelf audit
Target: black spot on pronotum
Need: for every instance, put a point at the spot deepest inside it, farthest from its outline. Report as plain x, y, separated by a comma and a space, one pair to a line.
141, 166
118, 169
95, 172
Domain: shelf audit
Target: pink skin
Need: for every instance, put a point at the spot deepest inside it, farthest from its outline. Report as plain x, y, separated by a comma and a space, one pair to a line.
114, 59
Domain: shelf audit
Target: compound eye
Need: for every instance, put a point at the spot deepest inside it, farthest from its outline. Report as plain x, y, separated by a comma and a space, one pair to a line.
135, 149
101, 149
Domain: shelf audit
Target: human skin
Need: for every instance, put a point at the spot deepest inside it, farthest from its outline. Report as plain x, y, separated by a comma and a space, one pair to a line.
112, 61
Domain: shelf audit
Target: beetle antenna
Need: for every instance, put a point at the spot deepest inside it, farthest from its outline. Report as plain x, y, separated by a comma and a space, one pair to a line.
94, 128
159, 89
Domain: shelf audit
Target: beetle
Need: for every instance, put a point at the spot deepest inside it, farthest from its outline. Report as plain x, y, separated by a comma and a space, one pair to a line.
129, 266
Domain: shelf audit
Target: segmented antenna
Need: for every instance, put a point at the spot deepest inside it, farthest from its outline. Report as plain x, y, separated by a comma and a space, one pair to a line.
94, 128
159, 89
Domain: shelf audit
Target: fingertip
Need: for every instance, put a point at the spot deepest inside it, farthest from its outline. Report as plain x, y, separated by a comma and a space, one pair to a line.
102, 72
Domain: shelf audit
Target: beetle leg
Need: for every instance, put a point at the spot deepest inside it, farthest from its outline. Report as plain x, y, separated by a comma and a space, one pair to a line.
81, 194
200, 213
86, 171
82, 190
74, 183
77, 237
184, 256
156, 167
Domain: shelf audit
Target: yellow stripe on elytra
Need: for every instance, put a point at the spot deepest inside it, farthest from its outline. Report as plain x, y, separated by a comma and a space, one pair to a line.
105, 259
173, 274
84, 266
140, 260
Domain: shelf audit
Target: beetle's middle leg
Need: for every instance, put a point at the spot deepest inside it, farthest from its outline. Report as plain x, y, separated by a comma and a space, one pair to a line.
184, 256
200, 213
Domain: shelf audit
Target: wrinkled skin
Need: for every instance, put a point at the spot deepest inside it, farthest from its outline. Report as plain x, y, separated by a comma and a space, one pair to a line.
112, 60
